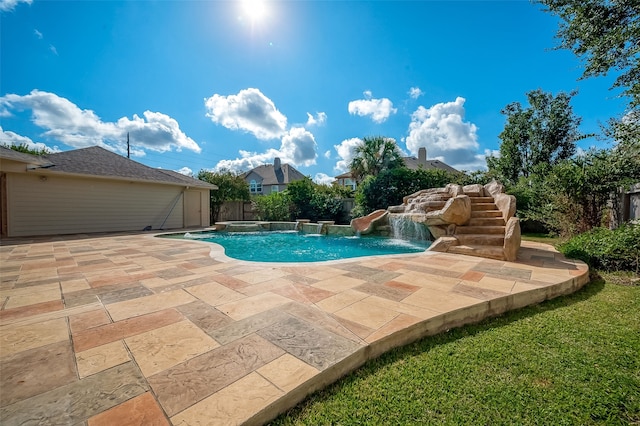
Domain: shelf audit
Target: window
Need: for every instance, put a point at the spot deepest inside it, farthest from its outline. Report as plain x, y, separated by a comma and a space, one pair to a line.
275, 188
255, 187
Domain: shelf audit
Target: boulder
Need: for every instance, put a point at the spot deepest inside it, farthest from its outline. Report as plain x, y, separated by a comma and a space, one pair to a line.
494, 188
506, 204
512, 239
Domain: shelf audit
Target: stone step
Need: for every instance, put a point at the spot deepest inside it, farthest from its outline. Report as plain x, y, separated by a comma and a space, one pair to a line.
486, 213
486, 221
475, 200
466, 229
481, 239
483, 206
490, 252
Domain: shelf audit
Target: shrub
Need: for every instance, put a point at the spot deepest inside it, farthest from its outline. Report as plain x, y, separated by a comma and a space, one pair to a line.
273, 207
608, 250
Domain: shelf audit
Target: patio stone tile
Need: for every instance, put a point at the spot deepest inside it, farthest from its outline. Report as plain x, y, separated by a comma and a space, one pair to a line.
75, 402
230, 282
478, 291
265, 286
79, 300
259, 276
338, 283
148, 304
382, 277
300, 279
132, 292
30, 373
498, 284
472, 276
18, 338
325, 273
174, 272
450, 273
370, 316
187, 383
381, 290
215, 294
313, 345
402, 286
143, 410
101, 358
493, 267
319, 318
440, 301
245, 327
302, 293
30, 310
114, 277
183, 284
357, 332
70, 286
164, 347
357, 269
232, 405
208, 318
287, 372
400, 322
101, 335
252, 305
340, 300
428, 281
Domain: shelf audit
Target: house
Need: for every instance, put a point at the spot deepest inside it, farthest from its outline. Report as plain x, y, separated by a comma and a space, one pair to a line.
269, 178
413, 163
94, 190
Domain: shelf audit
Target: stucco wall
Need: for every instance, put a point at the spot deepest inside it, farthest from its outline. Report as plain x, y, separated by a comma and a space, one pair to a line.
46, 205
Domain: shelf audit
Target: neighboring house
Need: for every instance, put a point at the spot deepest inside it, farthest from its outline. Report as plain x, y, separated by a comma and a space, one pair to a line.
628, 206
94, 190
269, 178
413, 163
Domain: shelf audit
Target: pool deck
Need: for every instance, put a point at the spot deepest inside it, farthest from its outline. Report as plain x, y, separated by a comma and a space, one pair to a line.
129, 329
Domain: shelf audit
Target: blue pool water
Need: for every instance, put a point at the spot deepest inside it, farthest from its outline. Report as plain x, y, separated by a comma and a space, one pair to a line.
293, 246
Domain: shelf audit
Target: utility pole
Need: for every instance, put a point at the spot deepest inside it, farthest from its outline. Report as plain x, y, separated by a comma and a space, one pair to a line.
128, 151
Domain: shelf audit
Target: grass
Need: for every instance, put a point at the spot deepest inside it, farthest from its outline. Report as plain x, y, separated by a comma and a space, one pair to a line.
573, 360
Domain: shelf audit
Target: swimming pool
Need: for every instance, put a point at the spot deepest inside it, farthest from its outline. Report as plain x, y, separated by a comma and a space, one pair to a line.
293, 246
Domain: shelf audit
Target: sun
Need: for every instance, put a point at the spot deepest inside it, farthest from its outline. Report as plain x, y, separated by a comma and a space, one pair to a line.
256, 10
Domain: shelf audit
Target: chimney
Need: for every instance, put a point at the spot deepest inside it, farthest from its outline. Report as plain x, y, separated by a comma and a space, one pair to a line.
422, 155
276, 163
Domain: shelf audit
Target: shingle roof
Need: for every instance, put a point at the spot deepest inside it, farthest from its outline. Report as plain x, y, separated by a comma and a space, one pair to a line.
414, 164
10, 154
98, 162
270, 176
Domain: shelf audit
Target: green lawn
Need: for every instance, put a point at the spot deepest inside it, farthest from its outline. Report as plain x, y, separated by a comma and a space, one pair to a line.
572, 360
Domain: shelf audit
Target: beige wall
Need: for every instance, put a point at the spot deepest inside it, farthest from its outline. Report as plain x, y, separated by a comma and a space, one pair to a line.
45, 205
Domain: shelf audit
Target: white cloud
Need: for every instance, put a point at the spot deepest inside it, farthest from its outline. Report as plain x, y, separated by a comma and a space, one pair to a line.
447, 137
11, 138
53, 49
80, 128
37, 33
323, 179
327, 154
415, 92
378, 109
185, 171
8, 5
318, 120
298, 148
250, 111
345, 152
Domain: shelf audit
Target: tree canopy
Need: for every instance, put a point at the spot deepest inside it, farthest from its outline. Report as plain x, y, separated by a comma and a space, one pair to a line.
231, 187
606, 35
374, 155
24, 148
537, 136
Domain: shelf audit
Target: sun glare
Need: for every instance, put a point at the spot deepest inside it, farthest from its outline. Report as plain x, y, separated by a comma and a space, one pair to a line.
256, 10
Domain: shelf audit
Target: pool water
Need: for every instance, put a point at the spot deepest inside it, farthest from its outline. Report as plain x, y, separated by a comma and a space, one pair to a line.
293, 246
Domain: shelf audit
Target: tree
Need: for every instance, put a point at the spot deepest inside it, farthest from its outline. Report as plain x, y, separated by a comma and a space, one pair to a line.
231, 187
606, 35
24, 148
536, 137
374, 155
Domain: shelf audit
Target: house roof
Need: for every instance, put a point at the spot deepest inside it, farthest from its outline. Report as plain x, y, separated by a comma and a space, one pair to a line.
414, 164
272, 176
99, 162
21, 157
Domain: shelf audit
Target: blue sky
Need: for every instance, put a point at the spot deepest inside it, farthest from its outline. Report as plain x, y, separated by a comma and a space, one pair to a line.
213, 84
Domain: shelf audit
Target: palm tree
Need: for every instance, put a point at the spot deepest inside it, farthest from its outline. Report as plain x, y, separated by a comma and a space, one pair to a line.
375, 154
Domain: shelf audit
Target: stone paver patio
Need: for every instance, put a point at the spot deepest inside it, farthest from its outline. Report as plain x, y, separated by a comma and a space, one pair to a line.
130, 329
